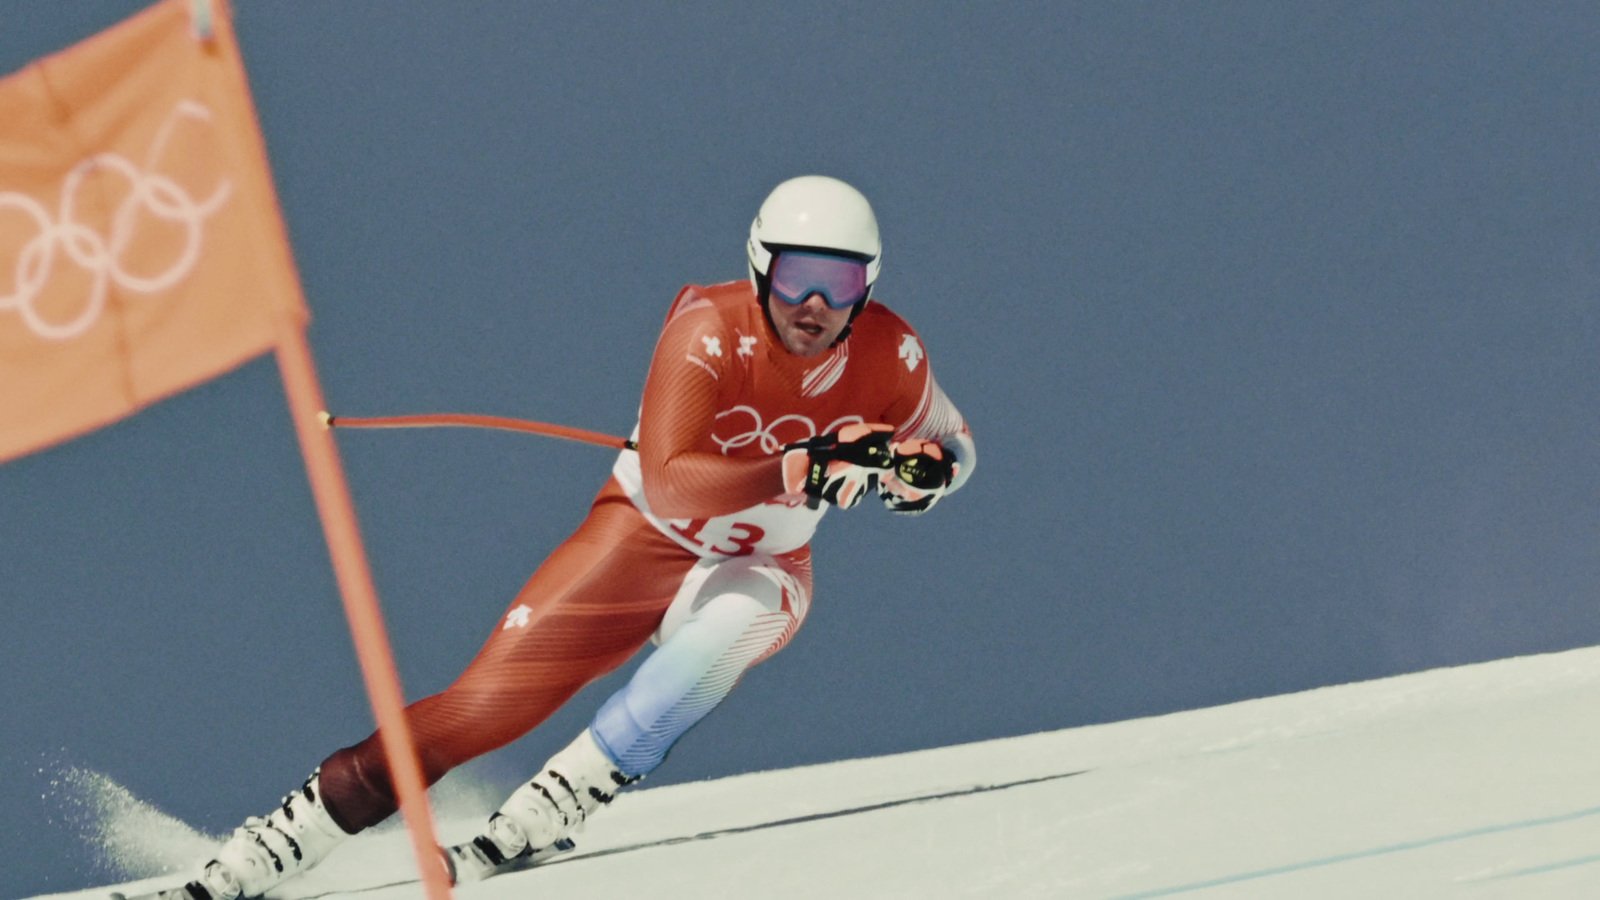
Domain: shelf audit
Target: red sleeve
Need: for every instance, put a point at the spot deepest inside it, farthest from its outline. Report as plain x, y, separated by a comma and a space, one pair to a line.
907, 399
910, 382
920, 409
685, 475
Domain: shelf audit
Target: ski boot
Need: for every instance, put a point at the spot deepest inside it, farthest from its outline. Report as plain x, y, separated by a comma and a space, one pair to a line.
264, 852
536, 822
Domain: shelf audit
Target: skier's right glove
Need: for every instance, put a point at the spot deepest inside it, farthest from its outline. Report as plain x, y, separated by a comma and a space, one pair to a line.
841, 467
919, 474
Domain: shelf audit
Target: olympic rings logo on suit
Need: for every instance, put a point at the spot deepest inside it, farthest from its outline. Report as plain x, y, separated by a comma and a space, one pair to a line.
99, 255
767, 435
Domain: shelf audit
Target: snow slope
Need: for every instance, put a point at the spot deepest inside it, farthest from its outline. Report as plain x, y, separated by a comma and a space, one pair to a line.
1480, 781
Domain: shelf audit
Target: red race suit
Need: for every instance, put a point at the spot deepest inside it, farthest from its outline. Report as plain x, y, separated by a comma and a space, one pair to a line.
722, 399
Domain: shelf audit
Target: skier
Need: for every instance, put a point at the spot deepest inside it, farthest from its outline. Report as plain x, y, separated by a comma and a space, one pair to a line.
766, 401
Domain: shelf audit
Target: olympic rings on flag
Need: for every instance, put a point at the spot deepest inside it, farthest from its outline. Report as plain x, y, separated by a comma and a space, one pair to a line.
101, 256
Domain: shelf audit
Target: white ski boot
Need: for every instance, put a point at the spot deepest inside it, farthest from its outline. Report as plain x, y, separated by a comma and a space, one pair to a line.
536, 822
265, 852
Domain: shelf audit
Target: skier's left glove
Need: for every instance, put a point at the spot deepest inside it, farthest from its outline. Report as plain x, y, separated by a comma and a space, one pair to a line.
919, 474
840, 467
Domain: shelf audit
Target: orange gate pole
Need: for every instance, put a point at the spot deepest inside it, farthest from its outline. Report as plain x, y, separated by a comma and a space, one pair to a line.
360, 598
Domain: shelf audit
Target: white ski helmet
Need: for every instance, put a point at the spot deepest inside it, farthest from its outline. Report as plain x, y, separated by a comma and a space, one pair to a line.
814, 212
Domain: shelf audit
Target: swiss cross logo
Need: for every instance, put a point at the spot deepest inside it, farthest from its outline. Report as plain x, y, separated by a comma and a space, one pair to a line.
518, 617
713, 345
910, 352
747, 346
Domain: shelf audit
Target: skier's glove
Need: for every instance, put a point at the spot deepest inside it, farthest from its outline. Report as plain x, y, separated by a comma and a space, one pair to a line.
841, 467
920, 473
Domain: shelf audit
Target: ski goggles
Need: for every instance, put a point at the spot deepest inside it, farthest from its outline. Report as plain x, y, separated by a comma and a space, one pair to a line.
841, 281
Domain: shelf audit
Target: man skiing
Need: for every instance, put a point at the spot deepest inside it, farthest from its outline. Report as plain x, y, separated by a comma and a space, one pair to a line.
767, 400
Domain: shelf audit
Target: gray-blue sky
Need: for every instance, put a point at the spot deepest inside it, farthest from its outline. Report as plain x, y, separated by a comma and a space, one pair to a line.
1275, 324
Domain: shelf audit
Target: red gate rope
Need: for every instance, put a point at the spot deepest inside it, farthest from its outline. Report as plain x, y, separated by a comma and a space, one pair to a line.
469, 420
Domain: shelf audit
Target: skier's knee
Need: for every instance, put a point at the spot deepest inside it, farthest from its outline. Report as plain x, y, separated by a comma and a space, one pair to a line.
757, 578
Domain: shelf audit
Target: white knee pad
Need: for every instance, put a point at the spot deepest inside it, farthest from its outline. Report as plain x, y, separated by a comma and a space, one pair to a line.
757, 576
729, 615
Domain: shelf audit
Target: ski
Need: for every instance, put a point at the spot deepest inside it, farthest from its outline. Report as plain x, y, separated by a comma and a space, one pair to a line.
460, 856
479, 859
467, 863
181, 892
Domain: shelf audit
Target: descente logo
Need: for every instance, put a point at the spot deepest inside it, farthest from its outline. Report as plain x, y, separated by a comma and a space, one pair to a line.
910, 352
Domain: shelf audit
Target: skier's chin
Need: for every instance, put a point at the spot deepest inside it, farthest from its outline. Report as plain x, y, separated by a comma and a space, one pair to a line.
807, 329
807, 340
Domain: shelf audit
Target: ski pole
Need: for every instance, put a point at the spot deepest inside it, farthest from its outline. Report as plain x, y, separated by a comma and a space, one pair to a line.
469, 420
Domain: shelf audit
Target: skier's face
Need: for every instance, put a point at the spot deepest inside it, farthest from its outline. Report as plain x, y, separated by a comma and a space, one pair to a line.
809, 327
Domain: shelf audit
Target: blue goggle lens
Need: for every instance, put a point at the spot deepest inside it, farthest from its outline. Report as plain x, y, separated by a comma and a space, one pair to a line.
841, 281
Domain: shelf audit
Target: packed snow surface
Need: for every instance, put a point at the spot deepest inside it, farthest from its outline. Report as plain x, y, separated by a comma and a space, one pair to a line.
1480, 781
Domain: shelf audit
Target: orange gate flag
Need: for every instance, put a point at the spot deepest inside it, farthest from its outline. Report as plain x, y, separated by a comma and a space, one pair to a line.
141, 251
